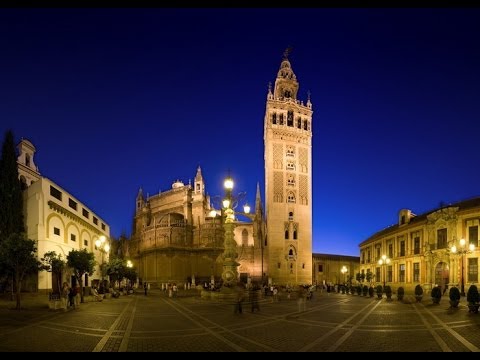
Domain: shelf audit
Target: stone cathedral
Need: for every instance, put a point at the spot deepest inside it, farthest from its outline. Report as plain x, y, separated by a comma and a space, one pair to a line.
177, 238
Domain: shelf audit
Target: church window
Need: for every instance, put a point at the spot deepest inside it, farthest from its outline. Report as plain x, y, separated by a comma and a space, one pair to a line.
294, 234
286, 234
27, 160
274, 118
290, 118
290, 151
291, 198
281, 119
287, 94
290, 215
299, 123
305, 125
290, 252
244, 237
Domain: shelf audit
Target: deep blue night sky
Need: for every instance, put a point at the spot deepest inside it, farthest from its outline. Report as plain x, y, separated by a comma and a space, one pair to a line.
115, 99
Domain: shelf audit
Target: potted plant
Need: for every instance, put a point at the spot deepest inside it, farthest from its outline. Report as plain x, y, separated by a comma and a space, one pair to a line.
473, 299
379, 291
359, 290
371, 290
454, 295
400, 293
436, 295
365, 290
388, 291
418, 293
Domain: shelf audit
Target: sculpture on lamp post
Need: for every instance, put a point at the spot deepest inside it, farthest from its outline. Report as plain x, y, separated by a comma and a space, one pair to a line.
462, 250
230, 265
344, 270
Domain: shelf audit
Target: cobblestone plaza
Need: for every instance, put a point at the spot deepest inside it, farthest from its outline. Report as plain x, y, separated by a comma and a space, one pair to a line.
156, 323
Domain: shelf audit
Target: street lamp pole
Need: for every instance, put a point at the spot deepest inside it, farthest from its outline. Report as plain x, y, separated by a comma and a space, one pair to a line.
383, 262
344, 270
230, 265
462, 251
103, 246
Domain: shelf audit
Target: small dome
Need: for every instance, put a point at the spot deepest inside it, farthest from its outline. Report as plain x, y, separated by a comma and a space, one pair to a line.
177, 184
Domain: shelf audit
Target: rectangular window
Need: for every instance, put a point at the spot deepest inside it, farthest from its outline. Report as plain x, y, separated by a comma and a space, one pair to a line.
389, 273
368, 257
85, 213
402, 273
95, 220
72, 204
441, 238
363, 258
56, 231
320, 268
390, 251
85, 242
103, 226
402, 248
378, 253
416, 272
473, 235
73, 237
377, 274
416, 245
473, 270
55, 193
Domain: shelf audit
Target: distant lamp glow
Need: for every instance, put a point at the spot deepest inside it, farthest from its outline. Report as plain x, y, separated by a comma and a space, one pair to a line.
129, 264
107, 248
228, 183
226, 203
246, 208
213, 213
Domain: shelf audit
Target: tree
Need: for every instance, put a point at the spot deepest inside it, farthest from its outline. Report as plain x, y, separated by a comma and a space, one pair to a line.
131, 275
53, 263
369, 276
17, 255
11, 199
82, 262
116, 268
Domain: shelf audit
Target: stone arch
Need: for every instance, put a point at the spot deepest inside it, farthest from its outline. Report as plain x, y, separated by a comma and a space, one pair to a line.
442, 274
51, 218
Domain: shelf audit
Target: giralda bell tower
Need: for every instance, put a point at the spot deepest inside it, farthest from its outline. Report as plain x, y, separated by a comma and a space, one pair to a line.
288, 180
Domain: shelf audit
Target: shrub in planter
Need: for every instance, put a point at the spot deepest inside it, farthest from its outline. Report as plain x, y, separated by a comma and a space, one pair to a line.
418, 293
359, 290
400, 293
388, 291
379, 289
365, 290
473, 299
436, 295
454, 295
371, 290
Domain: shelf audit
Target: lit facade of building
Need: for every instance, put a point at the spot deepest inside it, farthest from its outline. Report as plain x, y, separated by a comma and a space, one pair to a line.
327, 269
288, 180
175, 239
419, 248
56, 220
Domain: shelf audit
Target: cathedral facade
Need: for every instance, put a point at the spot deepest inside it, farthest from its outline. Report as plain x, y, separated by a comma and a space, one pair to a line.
177, 238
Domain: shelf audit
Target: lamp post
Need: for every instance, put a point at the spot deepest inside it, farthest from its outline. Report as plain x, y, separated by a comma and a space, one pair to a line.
103, 246
383, 262
462, 250
344, 271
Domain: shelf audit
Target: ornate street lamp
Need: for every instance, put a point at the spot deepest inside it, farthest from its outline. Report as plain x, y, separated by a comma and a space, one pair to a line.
462, 250
383, 262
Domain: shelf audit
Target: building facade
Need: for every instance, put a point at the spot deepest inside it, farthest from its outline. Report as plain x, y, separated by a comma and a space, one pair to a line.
335, 269
57, 221
288, 180
426, 249
175, 239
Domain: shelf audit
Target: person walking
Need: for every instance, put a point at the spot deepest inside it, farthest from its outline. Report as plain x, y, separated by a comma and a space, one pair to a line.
239, 295
145, 287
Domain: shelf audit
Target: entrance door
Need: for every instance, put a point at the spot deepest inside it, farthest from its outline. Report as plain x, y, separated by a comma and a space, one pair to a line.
442, 275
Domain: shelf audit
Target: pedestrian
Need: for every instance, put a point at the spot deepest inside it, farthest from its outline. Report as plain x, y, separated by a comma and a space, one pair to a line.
145, 288
239, 295
301, 298
254, 298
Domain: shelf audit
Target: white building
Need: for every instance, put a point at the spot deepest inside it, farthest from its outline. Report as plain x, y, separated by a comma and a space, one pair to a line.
57, 220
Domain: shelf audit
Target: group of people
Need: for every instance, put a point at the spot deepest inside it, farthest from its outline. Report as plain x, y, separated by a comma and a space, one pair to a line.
70, 296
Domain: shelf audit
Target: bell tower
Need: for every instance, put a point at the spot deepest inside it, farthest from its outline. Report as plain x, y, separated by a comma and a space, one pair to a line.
288, 180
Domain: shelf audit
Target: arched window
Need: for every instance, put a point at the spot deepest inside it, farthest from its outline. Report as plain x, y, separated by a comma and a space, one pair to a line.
290, 118
244, 237
281, 119
27, 160
299, 123
291, 198
294, 234
290, 252
287, 94
286, 234
274, 118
